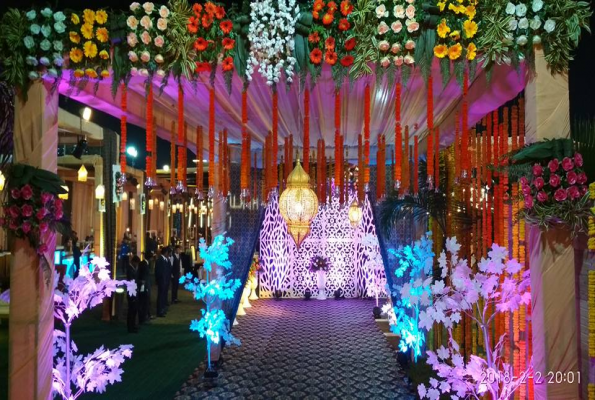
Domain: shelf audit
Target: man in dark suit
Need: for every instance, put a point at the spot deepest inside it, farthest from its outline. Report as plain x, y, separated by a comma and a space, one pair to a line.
132, 275
175, 274
143, 290
162, 277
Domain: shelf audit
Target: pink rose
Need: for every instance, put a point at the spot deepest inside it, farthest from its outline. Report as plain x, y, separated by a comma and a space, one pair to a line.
14, 211
42, 248
528, 201
560, 195
145, 37
27, 210
26, 227
537, 170
396, 26
410, 45
578, 159
43, 227
582, 178
542, 196
383, 28
58, 204
385, 62
538, 183
59, 214
413, 27
573, 192
159, 41
583, 189
395, 48
383, 45
567, 164
26, 192
526, 190
524, 181
410, 11
46, 198
41, 213
554, 180
553, 165
15, 194
13, 225
398, 61
571, 177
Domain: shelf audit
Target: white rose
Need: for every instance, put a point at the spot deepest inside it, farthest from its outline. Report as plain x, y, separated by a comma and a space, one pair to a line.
395, 48
134, 6
132, 56
162, 24
383, 45
537, 5
132, 39
381, 11
132, 22
399, 11
398, 61
385, 62
143, 72
148, 7
523, 23
396, 26
159, 59
383, 28
410, 45
513, 24
134, 71
510, 9
521, 40
160, 73
549, 25
164, 12
410, 11
536, 39
412, 26
535, 23
408, 59
521, 10
145, 56
146, 22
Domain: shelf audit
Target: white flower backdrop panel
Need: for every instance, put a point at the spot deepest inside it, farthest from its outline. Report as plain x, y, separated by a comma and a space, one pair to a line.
286, 268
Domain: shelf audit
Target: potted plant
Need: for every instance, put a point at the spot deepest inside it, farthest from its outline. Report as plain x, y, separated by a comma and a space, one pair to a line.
320, 265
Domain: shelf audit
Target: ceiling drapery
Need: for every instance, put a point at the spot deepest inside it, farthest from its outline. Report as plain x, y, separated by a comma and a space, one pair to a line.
484, 97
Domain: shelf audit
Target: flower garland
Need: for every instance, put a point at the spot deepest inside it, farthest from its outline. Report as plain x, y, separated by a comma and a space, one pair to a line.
211, 191
415, 166
213, 42
270, 33
245, 173
367, 135
338, 148
331, 37
307, 130
398, 137
406, 176
148, 41
123, 130
149, 139
172, 155
275, 138
465, 166
456, 30
397, 32
437, 158
89, 53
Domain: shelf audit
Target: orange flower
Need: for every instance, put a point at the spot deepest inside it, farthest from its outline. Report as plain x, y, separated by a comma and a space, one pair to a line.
105, 73
329, 43
200, 44
330, 57
228, 43
349, 44
220, 13
327, 19
347, 61
197, 9
203, 67
318, 6
314, 37
346, 7
192, 27
226, 26
228, 64
344, 24
210, 8
332, 7
79, 73
316, 56
206, 21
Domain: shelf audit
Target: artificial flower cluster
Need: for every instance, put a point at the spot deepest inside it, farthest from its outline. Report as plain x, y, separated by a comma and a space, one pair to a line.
30, 213
591, 227
89, 53
147, 39
524, 23
44, 43
456, 30
397, 30
211, 31
254, 267
330, 36
319, 263
271, 35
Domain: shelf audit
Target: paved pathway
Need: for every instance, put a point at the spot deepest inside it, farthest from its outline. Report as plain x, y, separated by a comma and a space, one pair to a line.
297, 349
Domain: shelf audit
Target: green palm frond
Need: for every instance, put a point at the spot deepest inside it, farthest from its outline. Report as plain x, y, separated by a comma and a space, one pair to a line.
583, 135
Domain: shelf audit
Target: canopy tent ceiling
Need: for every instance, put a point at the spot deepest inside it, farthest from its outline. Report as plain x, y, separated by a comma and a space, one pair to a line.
484, 97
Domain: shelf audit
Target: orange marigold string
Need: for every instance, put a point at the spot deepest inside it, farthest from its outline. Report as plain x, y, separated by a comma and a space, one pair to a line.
199, 155
275, 145
398, 137
415, 166
172, 155
337, 138
360, 164
430, 140
465, 127
211, 140
245, 166
123, 129
149, 137
437, 157
367, 135
307, 131
406, 176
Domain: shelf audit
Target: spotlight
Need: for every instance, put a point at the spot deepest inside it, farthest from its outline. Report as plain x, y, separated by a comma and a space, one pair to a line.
79, 149
132, 152
307, 294
376, 311
339, 294
277, 294
86, 113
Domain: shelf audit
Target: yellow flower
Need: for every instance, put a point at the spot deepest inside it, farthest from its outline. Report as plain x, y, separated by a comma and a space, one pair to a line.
104, 55
91, 73
79, 73
89, 16
443, 29
76, 55
75, 19
90, 49
441, 5
455, 35
454, 52
101, 17
457, 9
105, 73
470, 12
470, 28
471, 51
87, 31
440, 51
74, 37
102, 35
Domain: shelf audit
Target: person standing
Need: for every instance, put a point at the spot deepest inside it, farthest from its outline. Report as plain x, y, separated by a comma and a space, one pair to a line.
76, 254
132, 275
175, 274
162, 271
143, 291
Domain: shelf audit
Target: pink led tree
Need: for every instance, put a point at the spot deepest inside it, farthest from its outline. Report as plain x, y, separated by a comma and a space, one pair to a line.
75, 374
480, 296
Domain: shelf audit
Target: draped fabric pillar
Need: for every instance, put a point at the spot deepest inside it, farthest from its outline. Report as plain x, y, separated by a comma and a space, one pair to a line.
32, 277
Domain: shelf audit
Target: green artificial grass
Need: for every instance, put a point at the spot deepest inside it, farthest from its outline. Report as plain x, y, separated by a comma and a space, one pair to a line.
165, 352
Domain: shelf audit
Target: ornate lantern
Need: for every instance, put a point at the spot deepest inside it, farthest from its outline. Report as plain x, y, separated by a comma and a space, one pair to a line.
355, 214
82, 174
298, 204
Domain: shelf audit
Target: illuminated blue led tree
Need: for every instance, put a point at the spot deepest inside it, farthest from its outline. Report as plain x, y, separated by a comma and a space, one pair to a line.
213, 325
415, 263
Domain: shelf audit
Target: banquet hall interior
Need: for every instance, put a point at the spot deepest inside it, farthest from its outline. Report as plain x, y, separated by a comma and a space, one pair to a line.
287, 199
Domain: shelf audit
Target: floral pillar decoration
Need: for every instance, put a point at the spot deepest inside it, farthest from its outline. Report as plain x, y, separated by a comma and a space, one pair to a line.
180, 183
150, 182
398, 137
123, 132
211, 192
465, 127
307, 130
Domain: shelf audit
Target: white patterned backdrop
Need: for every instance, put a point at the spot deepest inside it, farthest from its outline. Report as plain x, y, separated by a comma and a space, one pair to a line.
285, 268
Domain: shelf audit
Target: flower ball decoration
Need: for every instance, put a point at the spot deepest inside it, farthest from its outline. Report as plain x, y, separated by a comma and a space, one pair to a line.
319, 263
44, 43
330, 39
89, 44
213, 42
147, 39
397, 31
456, 31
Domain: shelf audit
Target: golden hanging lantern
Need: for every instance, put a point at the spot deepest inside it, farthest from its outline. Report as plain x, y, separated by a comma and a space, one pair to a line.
355, 214
82, 174
298, 204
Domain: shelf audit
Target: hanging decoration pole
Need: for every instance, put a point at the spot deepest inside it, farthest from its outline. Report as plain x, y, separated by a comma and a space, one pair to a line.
245, 167
367, 138
406, 177
255, 176
149, 139
430, 123
185, 158
465, 127
123, 132
360, 169
306, 131
398, 138
172, 155
437, 158
200, 166
337, 139
211, 191
275, 147
415, 166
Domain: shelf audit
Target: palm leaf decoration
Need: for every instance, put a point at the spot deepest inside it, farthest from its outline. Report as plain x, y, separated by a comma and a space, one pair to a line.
583, 135
364, 31
179, 48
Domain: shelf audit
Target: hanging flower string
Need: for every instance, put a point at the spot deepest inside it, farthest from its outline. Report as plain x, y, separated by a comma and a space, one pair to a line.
123, 130
367, 136
149, 138
307, 130
275, 145
465, 127
337, 138
172, 154
437, 158
211, 141
244, 178
398, 137
430, 123
415, 166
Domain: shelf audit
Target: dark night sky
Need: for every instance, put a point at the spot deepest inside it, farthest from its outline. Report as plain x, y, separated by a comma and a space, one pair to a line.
581, 74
